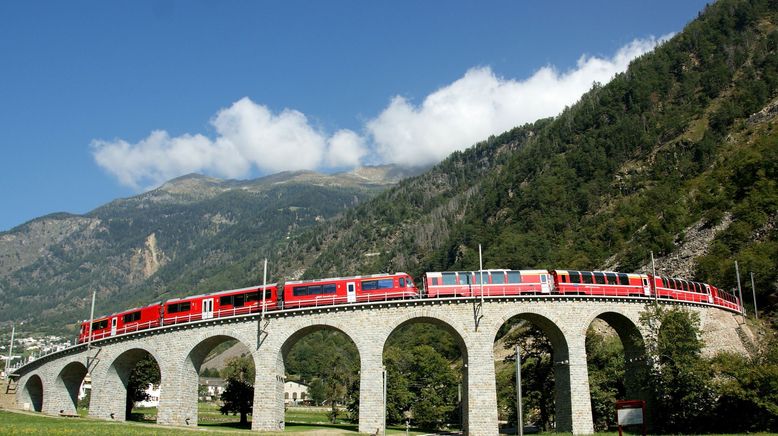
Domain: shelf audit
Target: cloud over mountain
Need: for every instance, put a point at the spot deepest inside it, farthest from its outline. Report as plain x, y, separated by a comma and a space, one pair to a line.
250, 136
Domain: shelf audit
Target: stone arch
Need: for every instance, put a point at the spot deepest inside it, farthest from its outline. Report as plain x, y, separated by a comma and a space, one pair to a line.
185, 411
449, 325
68, 385
300, 333
632, 340
32, 394
271, 369
560, 345
461, 338
117, 378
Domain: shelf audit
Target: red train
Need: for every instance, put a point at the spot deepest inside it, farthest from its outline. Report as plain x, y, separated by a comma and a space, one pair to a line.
249, 300
569, 282
380, 287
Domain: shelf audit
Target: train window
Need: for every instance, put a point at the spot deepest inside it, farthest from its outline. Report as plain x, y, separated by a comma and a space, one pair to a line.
599, 278
256, 296
465, 277
586, 277
372, 285
402, 282
610, 278
329, 289
238, 300
563, 278
685, 285
226, 300
314, 290
300, 291
179, 307
623, 279
131, 317
498, 278
477, 277
449, 278
99, 325
575, 277
514, 277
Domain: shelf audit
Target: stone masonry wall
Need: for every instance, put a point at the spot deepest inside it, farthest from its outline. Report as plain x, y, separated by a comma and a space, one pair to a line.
179, 351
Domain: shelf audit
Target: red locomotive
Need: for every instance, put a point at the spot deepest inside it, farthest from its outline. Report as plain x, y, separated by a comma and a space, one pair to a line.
122, 322
381, 287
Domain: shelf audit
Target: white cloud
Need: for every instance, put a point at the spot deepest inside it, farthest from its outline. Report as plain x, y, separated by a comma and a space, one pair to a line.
250, 136
481, 104
346, 148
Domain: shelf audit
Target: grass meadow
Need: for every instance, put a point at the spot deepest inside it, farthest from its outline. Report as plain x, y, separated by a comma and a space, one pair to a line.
299, 420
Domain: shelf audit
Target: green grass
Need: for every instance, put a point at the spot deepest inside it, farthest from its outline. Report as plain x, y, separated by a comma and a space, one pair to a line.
23, 423
27, 423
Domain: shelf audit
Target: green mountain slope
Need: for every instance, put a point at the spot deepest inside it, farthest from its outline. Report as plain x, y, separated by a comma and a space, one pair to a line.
683, 144
678, 156
193, 234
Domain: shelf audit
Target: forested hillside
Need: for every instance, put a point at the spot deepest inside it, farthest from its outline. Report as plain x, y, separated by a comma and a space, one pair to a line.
682, 144
193, 234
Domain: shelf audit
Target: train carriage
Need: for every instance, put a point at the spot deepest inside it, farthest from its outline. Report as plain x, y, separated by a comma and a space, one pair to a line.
681, 289
339, 290
725, 299
496, 282
131, 320
220, 304
607, 283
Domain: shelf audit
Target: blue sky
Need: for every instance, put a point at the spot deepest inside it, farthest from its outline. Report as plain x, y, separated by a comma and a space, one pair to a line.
100, 100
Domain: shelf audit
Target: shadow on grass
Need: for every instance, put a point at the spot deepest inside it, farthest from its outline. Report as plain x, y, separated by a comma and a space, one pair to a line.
299, 425
237, 425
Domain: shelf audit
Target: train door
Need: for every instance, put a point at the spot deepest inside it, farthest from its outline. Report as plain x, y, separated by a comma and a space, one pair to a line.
113, 326
544, 287
351, 292
208, 308
710, 294
646, 287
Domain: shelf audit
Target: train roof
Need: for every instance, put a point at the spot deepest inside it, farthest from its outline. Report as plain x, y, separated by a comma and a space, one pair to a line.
332, 279
218, 293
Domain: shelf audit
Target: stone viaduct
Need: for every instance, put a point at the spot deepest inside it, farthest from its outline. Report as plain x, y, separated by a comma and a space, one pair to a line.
50, 384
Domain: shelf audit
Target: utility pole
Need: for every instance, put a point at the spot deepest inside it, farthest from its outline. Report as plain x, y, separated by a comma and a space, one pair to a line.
653, 279
519, 413
264, 290
753, 290
10, 351
481, 271
384, 372
91, 320
740, 290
